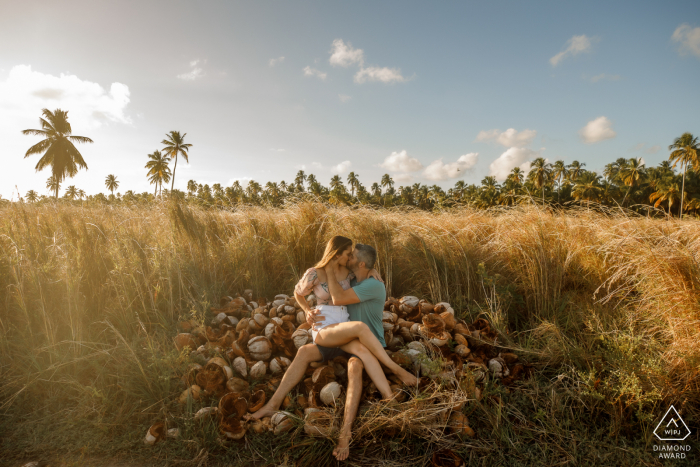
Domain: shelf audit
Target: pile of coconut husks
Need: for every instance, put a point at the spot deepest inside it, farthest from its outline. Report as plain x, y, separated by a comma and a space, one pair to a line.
239, 358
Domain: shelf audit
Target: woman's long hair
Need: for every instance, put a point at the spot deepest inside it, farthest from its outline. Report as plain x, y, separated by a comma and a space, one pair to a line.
335, 246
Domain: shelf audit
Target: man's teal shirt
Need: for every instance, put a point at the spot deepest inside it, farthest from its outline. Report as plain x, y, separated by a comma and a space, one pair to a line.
372, 295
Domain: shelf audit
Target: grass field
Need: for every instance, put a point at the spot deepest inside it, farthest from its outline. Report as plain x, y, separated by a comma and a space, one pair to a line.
606, 307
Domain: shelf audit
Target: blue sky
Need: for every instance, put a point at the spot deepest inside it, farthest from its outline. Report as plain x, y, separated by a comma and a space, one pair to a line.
430, 92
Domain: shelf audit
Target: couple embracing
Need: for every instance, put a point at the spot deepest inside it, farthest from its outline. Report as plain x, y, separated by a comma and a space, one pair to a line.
347, 321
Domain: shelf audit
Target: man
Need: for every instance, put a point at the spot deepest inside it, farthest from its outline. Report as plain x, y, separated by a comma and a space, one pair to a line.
360, 262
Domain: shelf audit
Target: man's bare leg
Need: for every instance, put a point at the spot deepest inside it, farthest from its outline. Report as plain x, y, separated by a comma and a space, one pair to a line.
352, 402
294, 374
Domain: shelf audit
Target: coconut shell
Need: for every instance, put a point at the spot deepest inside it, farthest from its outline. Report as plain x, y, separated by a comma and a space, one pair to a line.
205, 412
237, 385
155, 433
426, 307
279, 365
240, 366
258, 370
434, 324
193, 392
330, 393
281, 422
462, 350
459, 424
301, 338
449, 320
461, 340
322, 376
183, 340
260, 348
257, 401
409, 300
211, 378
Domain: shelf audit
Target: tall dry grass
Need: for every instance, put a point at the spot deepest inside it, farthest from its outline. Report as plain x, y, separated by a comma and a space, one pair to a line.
90, 296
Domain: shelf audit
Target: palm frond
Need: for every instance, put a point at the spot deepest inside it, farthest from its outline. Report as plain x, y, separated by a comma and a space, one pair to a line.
35, 132
80, 139
39, 147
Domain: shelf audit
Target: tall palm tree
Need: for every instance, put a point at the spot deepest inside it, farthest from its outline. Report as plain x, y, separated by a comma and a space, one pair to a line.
158, 169
81, 194
32, 196
53, 184
376, 189
299, 180
587, 188
631, 173
353, 183
311, 179
336, 182
111, 183
71, 192
670, 192
459, 188
559, 171
174, 147
575, 169
685, 150
191, 187
541, 172
59, 152
386, 181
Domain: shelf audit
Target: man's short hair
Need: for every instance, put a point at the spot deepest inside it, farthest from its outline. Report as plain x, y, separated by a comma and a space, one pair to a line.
366, 254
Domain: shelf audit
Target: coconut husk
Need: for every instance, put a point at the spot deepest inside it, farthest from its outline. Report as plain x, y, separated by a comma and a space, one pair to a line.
320, 423
322, 376
183, 340
211, 378
257, 401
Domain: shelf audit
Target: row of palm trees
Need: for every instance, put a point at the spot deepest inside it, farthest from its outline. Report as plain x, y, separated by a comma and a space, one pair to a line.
625, 182
64, 159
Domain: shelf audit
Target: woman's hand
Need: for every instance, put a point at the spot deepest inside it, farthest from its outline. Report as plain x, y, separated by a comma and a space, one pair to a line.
374, 273
313, 316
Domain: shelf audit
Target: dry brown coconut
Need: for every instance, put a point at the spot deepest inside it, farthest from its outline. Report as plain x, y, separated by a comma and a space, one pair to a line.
260, 348
322, 376
459, 424
449, 319
191, 393
212, 378
189, 378
237, 385
183, 340
231, 409
257, 401
433, 324
426, 307
155, 433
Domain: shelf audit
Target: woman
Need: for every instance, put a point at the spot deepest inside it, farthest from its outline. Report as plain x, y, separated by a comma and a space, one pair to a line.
338, 251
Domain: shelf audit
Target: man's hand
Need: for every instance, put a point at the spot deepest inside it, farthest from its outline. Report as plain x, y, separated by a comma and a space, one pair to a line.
313, 316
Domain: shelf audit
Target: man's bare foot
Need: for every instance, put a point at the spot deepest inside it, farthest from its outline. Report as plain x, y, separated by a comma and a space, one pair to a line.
342, 450
406, 377
267, 411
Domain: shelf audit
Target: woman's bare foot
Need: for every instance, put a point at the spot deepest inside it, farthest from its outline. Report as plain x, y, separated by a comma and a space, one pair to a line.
267, 411
342, 450
406, 377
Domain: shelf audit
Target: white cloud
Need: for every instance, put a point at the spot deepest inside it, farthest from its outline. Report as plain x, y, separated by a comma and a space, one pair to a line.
25, 92
438, 170
508, 138
275, 61
597, 130
401, 162
344, 55
653, 149
689, 39
385, 75
194, 73
402, 178
316, 165
341, 168
308, 71
513, 157
605, 77
575, 46
343, 98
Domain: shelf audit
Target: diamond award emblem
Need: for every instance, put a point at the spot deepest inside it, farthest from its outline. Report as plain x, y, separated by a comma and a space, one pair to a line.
672, 427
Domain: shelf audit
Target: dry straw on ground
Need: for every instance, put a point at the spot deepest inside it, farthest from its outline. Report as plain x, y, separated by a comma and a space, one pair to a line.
607, 305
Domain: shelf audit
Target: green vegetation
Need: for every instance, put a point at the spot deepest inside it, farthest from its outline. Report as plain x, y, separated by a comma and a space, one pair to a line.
605, 305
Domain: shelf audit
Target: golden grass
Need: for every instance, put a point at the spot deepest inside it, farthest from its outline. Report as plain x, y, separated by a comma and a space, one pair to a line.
89, 296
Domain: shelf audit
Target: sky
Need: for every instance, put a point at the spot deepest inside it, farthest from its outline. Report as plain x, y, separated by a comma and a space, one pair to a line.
428, 92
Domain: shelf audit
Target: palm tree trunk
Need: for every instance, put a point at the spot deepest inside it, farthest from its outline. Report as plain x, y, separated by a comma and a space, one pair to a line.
623, 199
174, 167
683, 190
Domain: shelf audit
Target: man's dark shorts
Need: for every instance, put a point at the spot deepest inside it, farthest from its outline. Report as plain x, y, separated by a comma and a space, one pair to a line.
329, 353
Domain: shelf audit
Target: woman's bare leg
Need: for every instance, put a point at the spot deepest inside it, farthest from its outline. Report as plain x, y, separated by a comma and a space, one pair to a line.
335, 335
372, 367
